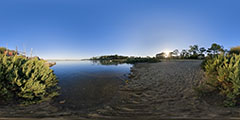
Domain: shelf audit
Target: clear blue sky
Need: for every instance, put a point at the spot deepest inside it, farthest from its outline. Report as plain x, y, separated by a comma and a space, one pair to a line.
86, 28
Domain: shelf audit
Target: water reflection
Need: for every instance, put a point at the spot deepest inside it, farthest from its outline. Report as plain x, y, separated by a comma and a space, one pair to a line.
107, 62
86, 84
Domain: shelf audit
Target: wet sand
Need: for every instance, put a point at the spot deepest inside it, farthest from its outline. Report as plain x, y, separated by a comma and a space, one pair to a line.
154, 91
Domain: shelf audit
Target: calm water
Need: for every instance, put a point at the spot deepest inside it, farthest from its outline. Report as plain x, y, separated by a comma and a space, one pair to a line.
85, 84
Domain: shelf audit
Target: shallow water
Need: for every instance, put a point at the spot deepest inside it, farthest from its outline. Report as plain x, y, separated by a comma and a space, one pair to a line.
87, 84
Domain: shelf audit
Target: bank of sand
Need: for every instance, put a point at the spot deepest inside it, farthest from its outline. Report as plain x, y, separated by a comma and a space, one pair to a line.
165, 90
154, 91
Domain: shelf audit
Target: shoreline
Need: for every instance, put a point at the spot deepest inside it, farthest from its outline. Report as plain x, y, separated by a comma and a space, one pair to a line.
65, 59
165, 90
162, 90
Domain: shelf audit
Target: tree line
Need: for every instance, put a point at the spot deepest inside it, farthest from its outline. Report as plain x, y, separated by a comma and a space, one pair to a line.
196, 52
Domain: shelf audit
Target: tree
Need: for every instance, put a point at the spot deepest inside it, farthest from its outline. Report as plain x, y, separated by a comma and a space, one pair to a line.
215, 49
193, 49
161, 55
184, 54
202, 51
170, 55
175, 53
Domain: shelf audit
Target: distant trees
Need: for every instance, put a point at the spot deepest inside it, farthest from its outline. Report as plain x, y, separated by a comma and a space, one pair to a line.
235, 50
7, 51
215, 49
202, 51
184, 54
175, 53
161, 55
118, 59
109, 57
193, 49
196, 52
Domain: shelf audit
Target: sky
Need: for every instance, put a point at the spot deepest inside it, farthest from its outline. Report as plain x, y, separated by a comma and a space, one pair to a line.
76, 29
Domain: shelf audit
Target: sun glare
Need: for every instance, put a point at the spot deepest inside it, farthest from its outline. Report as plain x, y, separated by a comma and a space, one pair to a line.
167, 53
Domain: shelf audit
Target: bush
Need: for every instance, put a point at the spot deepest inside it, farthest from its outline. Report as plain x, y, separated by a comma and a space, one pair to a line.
235, 50
25, 80
224, 75
2, 50
205, 60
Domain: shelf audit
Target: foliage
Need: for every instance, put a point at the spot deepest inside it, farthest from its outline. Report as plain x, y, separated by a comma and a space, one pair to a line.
4, 50
25, 80
115, 59
224, 75
184, 54
133, 60
109, 57
194, 52
202, 50
215, 49
193, 56
235, 50
161, 55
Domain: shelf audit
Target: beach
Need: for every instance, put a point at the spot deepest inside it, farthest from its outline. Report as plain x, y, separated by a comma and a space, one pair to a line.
164, 90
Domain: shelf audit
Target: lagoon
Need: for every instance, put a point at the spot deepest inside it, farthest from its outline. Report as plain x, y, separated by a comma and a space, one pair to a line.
88, 84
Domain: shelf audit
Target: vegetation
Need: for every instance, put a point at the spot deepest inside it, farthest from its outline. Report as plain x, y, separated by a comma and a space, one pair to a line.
235, 50
6, 51
194, 52
161, 55
223, 72
133, 60
222, 68
116, 59
27, 81
2, 50
110, 57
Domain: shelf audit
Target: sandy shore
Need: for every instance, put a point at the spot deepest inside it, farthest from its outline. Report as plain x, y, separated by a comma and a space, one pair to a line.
165, 90
154, 91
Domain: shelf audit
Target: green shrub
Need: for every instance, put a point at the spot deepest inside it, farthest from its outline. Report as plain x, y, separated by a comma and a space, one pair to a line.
25, 80
235, 50
224, 75
2, 50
